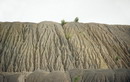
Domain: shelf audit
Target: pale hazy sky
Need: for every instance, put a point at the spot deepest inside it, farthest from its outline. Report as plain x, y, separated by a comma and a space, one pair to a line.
100, 11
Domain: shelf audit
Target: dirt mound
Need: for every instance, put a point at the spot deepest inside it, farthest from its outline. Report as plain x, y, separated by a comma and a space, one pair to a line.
51, 47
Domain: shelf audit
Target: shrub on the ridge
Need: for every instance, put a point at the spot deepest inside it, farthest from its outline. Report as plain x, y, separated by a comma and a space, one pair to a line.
63, 22
76, 19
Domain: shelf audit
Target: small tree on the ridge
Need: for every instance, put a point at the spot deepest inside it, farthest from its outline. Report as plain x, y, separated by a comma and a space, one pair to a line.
76, 19
63, 22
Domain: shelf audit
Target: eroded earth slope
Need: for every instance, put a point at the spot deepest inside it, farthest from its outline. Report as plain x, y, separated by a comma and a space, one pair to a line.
51, 47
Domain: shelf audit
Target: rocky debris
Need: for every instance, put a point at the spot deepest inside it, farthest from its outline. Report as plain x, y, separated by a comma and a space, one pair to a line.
37, 76
57, 76
1, 78
51, 47
74, 75
13, 77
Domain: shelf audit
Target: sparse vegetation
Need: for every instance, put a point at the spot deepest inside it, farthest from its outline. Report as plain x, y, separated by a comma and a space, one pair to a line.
76, 79
63, 22
68, 36
76, 19
80, 32
117, 58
